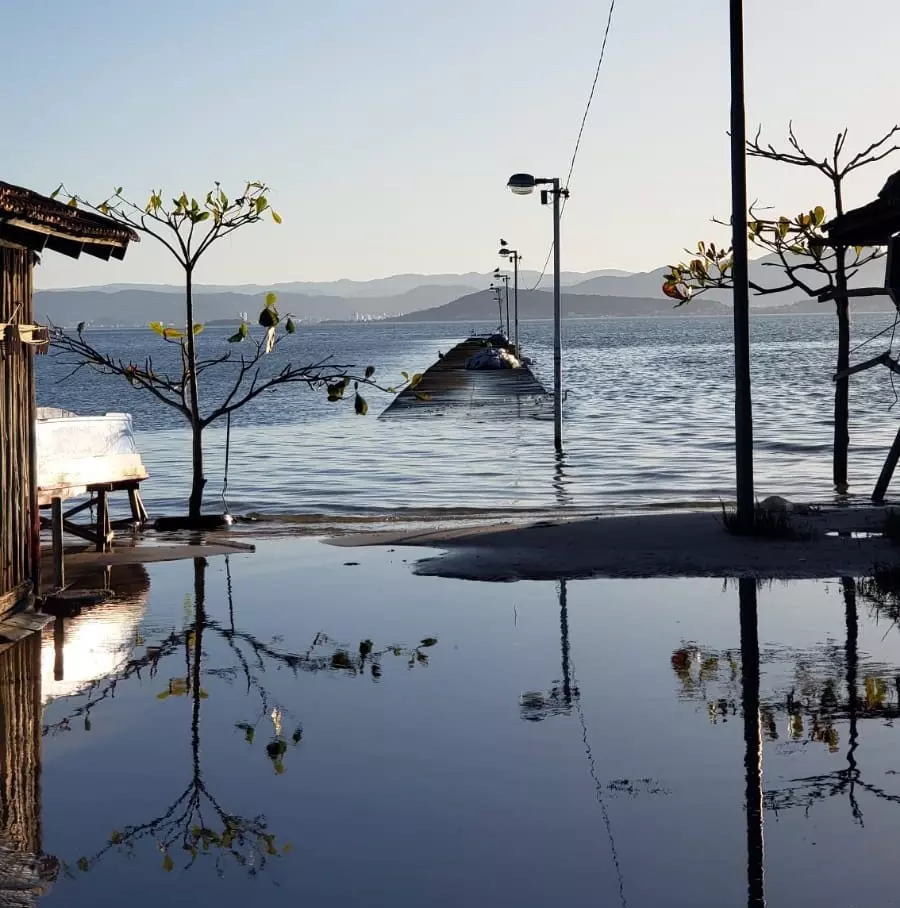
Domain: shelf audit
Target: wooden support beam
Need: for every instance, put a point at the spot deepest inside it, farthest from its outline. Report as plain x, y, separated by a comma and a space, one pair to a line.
100, 252
59, 570
15, 596
104, 533
24, 238
887, 471
861, 367
71, 248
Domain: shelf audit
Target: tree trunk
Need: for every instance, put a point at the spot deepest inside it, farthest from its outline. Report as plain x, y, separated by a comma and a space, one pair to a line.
198, 481
842, 397
842, 385
195, 503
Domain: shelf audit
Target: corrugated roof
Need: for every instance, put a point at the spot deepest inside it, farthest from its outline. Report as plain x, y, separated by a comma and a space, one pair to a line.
26, 210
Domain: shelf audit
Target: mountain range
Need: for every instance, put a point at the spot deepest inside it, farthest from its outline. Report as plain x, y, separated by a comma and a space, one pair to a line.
414, 297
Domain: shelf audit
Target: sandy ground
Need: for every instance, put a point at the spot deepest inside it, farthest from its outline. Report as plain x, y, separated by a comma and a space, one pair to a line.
657, 545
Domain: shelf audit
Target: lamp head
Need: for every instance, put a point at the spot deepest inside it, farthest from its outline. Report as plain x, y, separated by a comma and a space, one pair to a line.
521, 183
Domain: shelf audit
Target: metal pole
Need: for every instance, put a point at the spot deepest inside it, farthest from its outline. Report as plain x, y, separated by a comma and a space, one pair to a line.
516, 296
557, 345
500, 308
743, 404
508, 327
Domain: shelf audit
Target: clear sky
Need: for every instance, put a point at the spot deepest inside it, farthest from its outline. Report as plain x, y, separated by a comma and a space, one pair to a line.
388, 129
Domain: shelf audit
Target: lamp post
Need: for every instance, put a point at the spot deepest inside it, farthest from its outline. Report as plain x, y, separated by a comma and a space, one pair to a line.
513, 254
524, 184
496, 290
505, 278
743, 403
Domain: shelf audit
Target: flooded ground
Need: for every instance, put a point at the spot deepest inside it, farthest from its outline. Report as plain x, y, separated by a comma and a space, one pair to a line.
310, 725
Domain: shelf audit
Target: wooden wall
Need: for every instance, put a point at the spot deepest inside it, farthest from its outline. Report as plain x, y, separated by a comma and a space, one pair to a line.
19, 519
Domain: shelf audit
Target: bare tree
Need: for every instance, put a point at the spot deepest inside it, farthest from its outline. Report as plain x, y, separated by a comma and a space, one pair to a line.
796, 252
188, 229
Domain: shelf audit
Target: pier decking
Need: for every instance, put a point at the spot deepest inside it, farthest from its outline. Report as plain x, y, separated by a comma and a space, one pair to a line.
449, 384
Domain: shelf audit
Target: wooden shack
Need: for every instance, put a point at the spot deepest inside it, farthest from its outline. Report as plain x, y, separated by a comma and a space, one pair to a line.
31, 224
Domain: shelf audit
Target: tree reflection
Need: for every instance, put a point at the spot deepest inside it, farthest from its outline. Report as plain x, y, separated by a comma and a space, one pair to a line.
197, 823
828, 687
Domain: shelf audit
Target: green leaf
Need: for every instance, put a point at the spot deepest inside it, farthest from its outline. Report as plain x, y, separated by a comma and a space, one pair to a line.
360, 405
421, 395
248, 731
87, 723
297, 735
429, 641
83, 865
261, 204
73, 202
56, 191
276, 217
370, 371
819, 215
168, 863
197, 329
236, 338
289, 326
271, 299
116, 837
163, 695
202, 216
268, 318
415, 379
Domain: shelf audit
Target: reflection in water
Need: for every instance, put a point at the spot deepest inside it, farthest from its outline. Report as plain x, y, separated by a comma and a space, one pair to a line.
80, 650
825, 689
752, 742
25, 872
535, 705
196, 824
561, 481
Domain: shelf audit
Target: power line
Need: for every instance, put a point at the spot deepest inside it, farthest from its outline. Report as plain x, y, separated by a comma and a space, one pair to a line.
587, 109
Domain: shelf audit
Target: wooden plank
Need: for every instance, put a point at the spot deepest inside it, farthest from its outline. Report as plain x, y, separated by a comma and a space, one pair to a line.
59, 571
448, 383
14, 597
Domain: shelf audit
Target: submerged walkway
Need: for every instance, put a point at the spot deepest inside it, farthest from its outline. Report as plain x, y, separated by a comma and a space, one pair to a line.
448, 383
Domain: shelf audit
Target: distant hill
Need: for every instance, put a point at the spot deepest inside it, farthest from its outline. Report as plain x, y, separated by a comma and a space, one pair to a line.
535, 304
383, 288
139, 306
424, 298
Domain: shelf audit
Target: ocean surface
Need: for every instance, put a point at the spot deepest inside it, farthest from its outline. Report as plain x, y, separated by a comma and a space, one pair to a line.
648, 421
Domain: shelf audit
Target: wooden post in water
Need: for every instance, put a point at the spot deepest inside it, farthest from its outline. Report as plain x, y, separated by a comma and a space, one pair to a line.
743, 406
887, 471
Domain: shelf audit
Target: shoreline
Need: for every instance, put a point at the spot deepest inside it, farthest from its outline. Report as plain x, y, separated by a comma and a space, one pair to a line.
672, 544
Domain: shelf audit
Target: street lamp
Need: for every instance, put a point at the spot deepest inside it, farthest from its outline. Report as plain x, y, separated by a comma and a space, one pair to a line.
524, 184
513, 254
505, 278
496, 290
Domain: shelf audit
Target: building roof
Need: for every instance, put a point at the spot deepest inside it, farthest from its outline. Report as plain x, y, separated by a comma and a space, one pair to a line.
869, 225
38, 222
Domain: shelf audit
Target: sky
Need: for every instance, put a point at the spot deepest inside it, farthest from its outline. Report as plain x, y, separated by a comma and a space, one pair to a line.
387, 130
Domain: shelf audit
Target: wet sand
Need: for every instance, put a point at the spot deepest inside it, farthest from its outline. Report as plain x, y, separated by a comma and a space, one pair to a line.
690, 544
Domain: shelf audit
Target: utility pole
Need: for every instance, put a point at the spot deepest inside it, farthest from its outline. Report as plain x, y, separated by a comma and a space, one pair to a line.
743, 403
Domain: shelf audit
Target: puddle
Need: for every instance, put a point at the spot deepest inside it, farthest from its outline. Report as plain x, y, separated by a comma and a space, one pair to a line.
278, 727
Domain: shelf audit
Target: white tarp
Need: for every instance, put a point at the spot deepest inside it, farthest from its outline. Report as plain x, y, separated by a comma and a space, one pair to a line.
76, 451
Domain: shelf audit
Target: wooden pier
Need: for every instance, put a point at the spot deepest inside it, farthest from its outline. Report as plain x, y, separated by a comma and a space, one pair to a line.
449, 384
